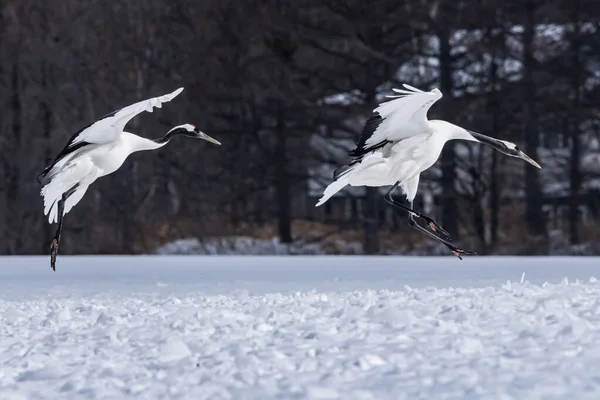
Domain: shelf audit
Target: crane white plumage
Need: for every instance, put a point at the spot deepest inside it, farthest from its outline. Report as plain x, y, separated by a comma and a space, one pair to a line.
398, 143
97, 150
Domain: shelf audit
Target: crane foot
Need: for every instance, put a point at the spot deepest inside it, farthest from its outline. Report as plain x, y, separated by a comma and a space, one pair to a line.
459, 252
53, 253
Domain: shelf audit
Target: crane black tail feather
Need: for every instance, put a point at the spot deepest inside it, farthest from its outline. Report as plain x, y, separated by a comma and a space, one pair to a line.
45, 177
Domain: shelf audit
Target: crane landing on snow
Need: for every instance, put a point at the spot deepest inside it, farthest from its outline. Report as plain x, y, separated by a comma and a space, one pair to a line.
97, 150
397, 144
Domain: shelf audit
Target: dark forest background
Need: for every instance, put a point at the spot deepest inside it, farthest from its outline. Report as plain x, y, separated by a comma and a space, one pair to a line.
286, 87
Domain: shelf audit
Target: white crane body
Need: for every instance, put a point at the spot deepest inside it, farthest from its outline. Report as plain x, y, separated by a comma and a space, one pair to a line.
398, 143
98, 150
401, 161
84, 166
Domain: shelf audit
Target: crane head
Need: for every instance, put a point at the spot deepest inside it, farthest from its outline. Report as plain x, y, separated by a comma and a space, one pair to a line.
511, 149
504, 147
190, 130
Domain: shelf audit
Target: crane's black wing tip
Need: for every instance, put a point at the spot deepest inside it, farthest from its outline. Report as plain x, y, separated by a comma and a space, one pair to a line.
42, 178
361, 151
369, 128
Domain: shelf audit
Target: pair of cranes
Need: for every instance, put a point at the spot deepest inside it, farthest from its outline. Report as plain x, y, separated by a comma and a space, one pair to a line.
397, 143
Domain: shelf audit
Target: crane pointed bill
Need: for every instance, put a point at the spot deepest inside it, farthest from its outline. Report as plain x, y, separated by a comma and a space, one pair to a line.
525, 157
202, 135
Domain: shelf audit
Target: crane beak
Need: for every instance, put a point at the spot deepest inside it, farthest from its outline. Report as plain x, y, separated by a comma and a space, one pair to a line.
202, 135
525, 157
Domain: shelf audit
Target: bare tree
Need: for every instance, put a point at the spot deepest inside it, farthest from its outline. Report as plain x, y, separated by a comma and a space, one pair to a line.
533, 188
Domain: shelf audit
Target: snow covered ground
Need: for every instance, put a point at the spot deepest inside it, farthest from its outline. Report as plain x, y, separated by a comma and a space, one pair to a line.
320, 327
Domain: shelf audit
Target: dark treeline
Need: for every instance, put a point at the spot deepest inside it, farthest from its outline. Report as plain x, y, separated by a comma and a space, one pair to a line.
286, 87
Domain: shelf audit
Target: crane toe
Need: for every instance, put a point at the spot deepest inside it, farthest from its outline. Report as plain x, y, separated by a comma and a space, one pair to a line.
53, 253
435, 227
459, 252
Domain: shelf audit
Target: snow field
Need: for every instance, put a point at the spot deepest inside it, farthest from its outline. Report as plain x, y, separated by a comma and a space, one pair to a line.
299, 328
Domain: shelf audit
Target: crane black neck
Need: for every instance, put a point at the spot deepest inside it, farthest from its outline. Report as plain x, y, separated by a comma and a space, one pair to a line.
500, 145
168, 136
486, 139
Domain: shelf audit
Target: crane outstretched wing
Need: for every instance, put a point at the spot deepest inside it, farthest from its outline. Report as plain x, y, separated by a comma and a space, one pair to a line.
106, 129
397, 119
110, 127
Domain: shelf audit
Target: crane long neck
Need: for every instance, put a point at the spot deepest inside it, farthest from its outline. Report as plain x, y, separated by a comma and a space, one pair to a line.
490, 141
165, 139
138, 143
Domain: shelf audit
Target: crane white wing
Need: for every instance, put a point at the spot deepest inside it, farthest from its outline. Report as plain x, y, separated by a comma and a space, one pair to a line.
105, 130
71, 176
398, 119
108, 128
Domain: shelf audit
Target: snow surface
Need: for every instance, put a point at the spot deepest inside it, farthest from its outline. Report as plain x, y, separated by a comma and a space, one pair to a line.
315, 327
237, 245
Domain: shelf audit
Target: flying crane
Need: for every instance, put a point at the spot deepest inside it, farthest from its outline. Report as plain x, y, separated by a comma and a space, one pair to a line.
97, 150
397, 144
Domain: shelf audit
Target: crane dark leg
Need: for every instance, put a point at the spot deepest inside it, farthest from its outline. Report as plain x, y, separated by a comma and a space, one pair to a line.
434, 226
457, 252
56, 240
411, 221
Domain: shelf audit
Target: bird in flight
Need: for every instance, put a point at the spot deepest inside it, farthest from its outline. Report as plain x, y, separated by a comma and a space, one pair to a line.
397, 144
97, 150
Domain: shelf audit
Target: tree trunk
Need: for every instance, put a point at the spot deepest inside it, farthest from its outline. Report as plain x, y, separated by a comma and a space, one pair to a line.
371, 222
574, 166
477, 211
129, 199
14, 178
46, 117
371, 205
494, 200
533, 189
494, 191
13, 181
282, 184
479, 224
448, 162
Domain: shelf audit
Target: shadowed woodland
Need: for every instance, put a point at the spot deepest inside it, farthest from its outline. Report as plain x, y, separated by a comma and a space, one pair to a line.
286, 86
